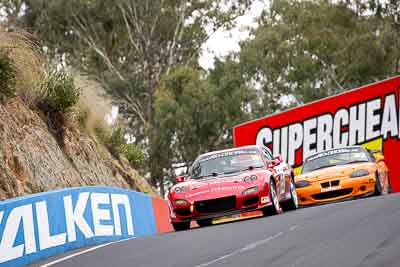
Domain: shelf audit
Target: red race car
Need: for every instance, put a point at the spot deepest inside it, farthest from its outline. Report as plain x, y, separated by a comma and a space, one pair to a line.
229, 182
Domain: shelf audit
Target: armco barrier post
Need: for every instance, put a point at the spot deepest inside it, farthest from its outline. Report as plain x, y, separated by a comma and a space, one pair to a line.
38, 226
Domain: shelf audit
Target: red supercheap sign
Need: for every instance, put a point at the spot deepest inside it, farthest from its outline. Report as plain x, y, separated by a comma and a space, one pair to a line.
367, 116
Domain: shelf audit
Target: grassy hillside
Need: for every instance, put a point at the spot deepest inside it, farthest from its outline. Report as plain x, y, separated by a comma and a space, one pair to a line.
52, 128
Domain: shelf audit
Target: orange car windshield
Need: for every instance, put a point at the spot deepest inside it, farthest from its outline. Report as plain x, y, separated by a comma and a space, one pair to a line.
334, 159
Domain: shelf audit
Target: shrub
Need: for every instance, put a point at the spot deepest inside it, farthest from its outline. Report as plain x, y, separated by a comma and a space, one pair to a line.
117, 142
134, 154
102, 132
59, 92
23, 50
82, 117
79, 117
7, 76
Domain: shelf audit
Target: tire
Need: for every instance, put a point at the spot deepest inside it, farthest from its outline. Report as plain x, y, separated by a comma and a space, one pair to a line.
275, 207
293, 202
181, 226
389, 186
378, 186
204, 222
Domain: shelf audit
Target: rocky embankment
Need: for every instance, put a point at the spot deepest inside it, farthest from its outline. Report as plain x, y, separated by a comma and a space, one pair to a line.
33, 159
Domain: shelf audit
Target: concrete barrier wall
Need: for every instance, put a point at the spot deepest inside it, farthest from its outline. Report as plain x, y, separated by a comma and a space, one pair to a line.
38, 226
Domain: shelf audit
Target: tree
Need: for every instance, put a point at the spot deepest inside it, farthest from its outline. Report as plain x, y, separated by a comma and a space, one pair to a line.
11, 10
129, 45
196, 111
388, 13
312, 49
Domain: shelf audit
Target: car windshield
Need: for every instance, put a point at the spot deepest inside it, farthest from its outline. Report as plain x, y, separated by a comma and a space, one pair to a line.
225, 163
333, 158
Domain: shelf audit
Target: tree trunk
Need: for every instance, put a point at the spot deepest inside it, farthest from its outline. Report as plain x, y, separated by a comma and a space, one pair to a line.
162, 189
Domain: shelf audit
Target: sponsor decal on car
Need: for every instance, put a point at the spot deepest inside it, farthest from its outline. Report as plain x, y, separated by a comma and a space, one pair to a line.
333, 152
229, 153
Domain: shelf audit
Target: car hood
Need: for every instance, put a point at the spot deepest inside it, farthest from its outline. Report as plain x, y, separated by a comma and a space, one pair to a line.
216, 187
340, 171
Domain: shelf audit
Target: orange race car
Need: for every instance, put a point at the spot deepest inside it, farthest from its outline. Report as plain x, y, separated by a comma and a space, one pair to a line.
340, 174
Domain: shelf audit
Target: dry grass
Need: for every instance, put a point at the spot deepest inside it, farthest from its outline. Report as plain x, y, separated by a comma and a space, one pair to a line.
93, 95
25, 54
92, 101
93, 107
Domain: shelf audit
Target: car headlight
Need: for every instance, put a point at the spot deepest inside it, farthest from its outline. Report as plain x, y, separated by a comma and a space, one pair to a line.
181, 202
181, 189
302, 183
250, 190
249, 179
359, 173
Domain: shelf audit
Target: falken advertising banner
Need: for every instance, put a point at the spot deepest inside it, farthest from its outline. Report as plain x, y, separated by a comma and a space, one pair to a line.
367, 116
41, 225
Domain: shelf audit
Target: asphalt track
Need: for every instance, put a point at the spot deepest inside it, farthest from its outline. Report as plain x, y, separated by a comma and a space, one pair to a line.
364, 232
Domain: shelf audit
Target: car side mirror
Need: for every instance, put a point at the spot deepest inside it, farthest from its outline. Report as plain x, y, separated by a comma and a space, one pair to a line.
379, 158
275, 162
279, 158
180, 178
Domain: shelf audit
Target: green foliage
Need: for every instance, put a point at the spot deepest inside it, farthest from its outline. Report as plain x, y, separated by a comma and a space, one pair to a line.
81, 116
312, 49
134, 154
7, 77
24, 57
117, 142
102, 132
118, 146
59, 93
196, 114
129, 45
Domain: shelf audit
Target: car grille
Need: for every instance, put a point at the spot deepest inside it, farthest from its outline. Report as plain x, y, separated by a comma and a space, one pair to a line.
325, 185
330, 183
335, 183
183, 212
333, 194
215, 205
251, 201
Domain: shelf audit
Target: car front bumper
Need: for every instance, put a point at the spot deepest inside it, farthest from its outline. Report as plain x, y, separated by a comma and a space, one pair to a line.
347, 188
221, 206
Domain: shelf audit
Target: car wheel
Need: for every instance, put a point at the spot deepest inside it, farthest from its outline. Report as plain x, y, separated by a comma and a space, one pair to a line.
275, 207
204, 222
378, 186
389, 186
181, 226
293, 202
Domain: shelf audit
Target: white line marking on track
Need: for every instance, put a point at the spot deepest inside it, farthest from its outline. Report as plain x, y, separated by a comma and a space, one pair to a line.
241, 250
82, 252
294, 227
